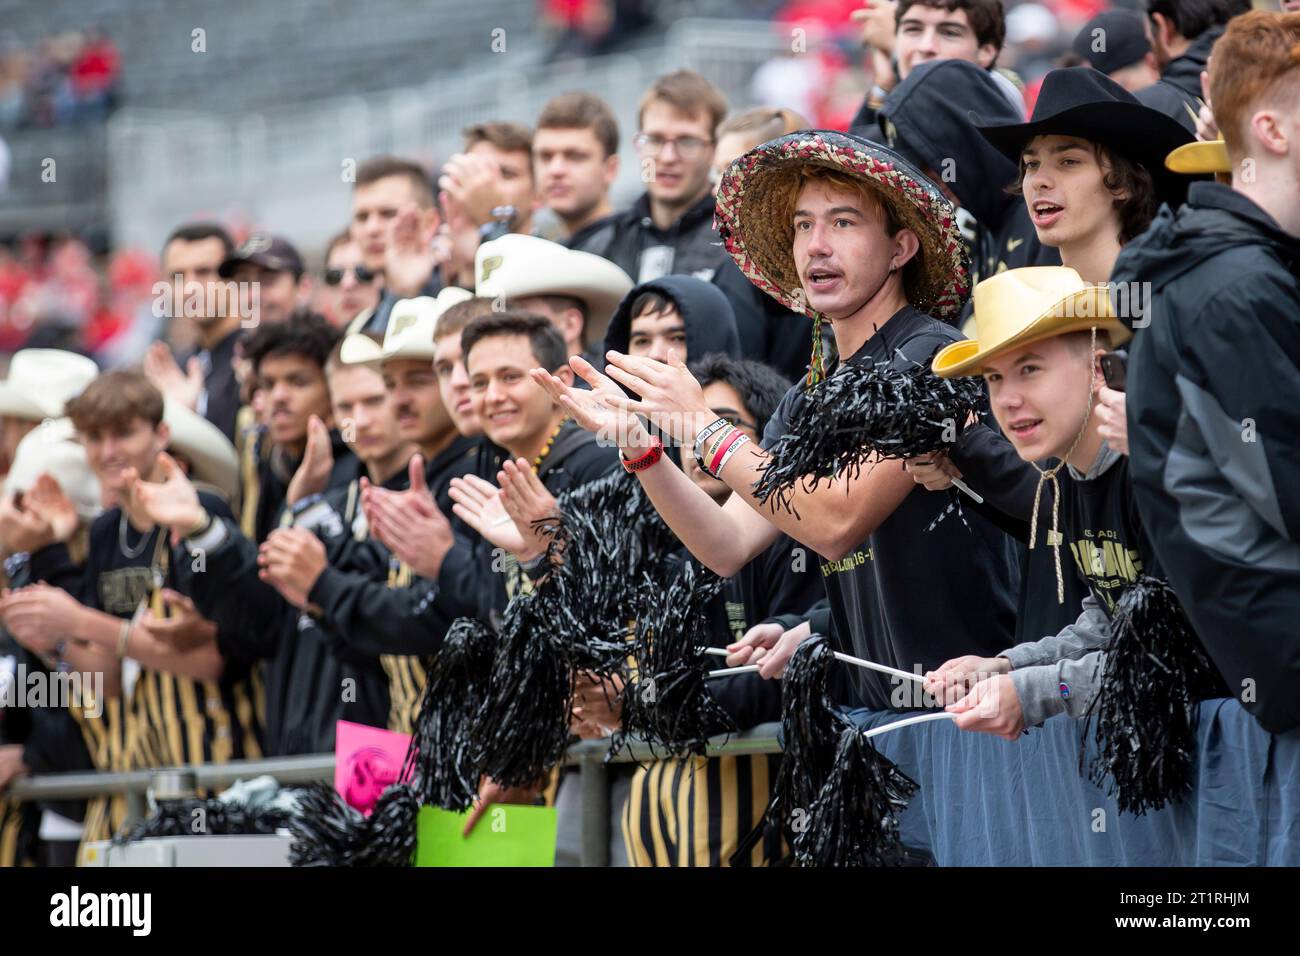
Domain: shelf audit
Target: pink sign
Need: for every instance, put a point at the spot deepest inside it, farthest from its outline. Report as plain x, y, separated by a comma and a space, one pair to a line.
366, 760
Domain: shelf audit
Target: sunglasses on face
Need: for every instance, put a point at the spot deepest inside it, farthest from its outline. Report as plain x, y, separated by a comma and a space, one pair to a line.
335, 276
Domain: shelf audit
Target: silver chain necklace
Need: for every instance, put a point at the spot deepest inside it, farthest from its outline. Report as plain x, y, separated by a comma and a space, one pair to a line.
121, 539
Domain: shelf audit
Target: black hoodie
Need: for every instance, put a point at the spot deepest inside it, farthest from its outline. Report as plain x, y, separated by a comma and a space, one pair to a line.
1178, 91
708, 316
927, 120
1213, 399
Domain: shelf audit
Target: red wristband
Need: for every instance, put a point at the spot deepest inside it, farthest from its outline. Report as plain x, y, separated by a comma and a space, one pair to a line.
726, 443
652, 455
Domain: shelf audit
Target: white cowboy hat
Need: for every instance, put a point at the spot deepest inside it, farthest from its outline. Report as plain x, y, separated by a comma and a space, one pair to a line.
42, 381
410, 325
53, 447
516, 266
211, 456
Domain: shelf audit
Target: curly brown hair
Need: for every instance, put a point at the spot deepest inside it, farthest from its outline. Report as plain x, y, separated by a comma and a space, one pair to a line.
1129, 182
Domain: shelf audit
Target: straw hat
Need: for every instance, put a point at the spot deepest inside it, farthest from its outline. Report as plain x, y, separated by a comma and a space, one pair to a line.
1200, 157
515, 266
758, 186
1020, 306
42, 381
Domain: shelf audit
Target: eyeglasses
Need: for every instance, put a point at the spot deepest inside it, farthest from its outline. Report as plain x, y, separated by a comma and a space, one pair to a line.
687, 147
335, 276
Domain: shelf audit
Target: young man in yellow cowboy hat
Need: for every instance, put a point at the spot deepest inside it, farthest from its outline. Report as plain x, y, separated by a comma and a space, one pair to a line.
844, 230
1039, 334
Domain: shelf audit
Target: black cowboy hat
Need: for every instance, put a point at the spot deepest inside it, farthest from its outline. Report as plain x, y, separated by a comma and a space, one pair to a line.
1082, 102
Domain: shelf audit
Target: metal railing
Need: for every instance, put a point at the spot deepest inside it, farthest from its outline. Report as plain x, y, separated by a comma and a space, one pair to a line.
590, 756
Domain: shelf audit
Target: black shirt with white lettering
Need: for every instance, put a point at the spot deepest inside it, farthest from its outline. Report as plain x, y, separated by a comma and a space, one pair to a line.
914, 593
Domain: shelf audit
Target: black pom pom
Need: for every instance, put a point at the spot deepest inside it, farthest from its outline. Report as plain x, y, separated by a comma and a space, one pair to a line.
610, 554
328, 832
669, 705
810, 729
524, 725
862, 413
442, 761
1155, 672
208, 817
854, 820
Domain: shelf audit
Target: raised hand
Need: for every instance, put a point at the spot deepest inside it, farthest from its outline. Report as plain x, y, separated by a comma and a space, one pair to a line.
172, 503
671, 398
161, 369
409, 258
478, 503
22, 530
409, 523
594, 410
313, 474
47, 500
527, 501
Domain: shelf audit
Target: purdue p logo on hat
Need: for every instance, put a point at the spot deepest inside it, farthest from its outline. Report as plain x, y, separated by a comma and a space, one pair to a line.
516, 267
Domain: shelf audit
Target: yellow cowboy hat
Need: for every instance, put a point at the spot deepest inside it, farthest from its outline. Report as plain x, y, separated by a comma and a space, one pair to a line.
1020, 306
1201, 157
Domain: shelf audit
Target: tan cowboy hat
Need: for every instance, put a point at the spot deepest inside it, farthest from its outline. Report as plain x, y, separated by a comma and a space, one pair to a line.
757, 185
1020, 306
42, 381
53, 447
211, 456
1200, 157
516, 266
410, 325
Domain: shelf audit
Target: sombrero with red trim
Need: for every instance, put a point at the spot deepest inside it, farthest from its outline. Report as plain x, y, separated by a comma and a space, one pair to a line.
756, 191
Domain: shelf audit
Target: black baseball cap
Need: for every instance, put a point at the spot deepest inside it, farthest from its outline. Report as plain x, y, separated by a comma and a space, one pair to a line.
267, 251
1112, 40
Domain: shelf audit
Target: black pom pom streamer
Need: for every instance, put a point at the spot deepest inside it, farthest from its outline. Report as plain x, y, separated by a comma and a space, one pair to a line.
328, 832
861, 413
442, 761
670, 705
524, 725
610, 553
854, 820
1155, 672
213, 817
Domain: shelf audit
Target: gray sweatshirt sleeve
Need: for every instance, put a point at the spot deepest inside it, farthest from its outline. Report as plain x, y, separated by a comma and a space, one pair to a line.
1089, 633
1064, 687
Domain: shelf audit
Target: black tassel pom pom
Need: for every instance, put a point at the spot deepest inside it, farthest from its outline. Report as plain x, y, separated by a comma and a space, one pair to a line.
442, 761
862, 413
328, 832
1155, 673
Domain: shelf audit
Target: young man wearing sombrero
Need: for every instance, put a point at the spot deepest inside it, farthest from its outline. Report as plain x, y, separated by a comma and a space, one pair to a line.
1040, 332
844, 231
1091, 162
1213, 378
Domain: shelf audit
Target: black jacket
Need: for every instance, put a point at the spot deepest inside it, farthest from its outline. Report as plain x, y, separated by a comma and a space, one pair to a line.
927, 120
1178, 91
769, 332
220, 400
1213, 393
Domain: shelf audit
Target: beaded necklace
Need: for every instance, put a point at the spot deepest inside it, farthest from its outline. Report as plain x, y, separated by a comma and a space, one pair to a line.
537, 462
